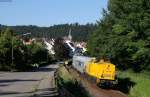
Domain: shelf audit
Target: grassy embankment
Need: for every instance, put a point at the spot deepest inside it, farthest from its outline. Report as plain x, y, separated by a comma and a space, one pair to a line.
135, 84
67, 81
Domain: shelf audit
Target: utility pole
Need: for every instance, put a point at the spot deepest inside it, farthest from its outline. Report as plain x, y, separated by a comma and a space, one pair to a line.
12, 52
12, 49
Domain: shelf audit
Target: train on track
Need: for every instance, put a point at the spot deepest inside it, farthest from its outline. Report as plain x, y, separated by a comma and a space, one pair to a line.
101, 72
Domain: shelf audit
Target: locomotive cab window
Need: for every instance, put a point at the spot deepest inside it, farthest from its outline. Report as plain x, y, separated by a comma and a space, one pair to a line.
80, 64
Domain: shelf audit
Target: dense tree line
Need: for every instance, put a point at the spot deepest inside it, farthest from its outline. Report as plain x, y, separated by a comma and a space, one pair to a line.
61, 52
14, 55
123, 34
79, 32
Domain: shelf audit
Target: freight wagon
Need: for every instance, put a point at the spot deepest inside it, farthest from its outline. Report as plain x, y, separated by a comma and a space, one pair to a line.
80, 62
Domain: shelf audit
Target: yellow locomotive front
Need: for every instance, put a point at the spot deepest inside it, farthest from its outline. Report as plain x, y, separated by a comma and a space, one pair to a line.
102, 71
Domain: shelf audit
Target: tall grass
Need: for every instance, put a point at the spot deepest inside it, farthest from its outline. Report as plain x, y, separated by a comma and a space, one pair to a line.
67, 81
141, 88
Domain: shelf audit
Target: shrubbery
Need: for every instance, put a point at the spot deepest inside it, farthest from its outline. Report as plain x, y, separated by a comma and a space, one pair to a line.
14, 55
61, 52
68, 82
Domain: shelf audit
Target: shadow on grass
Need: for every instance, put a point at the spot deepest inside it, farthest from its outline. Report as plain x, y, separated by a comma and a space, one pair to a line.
124, 85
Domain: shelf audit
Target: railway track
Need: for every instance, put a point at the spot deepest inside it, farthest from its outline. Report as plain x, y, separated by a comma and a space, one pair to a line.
92, 88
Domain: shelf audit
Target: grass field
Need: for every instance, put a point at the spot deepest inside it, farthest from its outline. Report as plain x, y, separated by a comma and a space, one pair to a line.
137, 84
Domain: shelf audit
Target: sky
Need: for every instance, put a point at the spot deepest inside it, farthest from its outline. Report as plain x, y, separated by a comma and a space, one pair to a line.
50, 12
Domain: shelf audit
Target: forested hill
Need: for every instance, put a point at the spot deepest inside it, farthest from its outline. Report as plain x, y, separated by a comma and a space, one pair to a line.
79, 32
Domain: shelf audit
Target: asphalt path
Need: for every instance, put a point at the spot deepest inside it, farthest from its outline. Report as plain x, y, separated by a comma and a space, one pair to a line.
38, 83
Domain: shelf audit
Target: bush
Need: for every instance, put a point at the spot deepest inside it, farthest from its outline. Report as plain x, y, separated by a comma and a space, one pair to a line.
23, 55
67, 81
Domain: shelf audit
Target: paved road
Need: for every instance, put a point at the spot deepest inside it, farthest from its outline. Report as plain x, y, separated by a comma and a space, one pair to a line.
39, 83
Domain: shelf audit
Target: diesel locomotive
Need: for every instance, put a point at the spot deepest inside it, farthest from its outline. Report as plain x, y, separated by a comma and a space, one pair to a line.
103, 72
